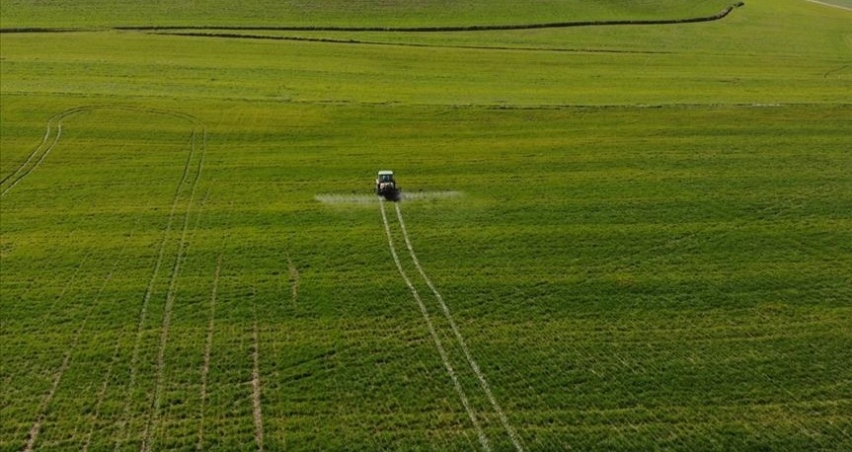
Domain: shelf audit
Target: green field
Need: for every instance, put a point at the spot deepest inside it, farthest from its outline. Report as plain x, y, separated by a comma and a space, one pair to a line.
613, 238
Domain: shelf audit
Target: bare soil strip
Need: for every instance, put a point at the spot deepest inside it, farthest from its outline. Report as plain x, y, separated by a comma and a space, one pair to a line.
473, 365
255, 389
483, 440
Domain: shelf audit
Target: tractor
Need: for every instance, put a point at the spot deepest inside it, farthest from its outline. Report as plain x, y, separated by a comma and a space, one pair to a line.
386, 186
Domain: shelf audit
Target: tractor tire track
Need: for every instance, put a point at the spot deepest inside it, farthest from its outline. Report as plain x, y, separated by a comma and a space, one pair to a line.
483, 440
32, 162
208, 344
257, 412
115, 357
40, 152
116, 354
293, 279
473, 365
66, 362
45, 403
149, 290
154, 414
30, 156
57, 376
208, 347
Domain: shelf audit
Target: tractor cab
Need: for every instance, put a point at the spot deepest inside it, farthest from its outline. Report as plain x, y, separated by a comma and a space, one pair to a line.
384, 177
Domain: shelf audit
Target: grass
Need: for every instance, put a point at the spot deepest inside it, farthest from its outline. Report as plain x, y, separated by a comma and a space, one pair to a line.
338, 12
649, 250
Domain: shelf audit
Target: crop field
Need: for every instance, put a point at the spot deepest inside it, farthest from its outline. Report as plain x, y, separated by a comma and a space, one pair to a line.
625, 225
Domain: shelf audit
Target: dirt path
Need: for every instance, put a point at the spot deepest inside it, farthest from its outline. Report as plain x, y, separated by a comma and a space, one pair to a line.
483, 440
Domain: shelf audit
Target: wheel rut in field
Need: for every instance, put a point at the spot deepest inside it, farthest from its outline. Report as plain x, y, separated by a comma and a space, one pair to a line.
459, 341
173, 279
57, 376
34, 159
181, 204
208, 348
257, 411
67, 359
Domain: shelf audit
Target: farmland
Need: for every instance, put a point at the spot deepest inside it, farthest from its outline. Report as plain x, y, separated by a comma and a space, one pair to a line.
614, 238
